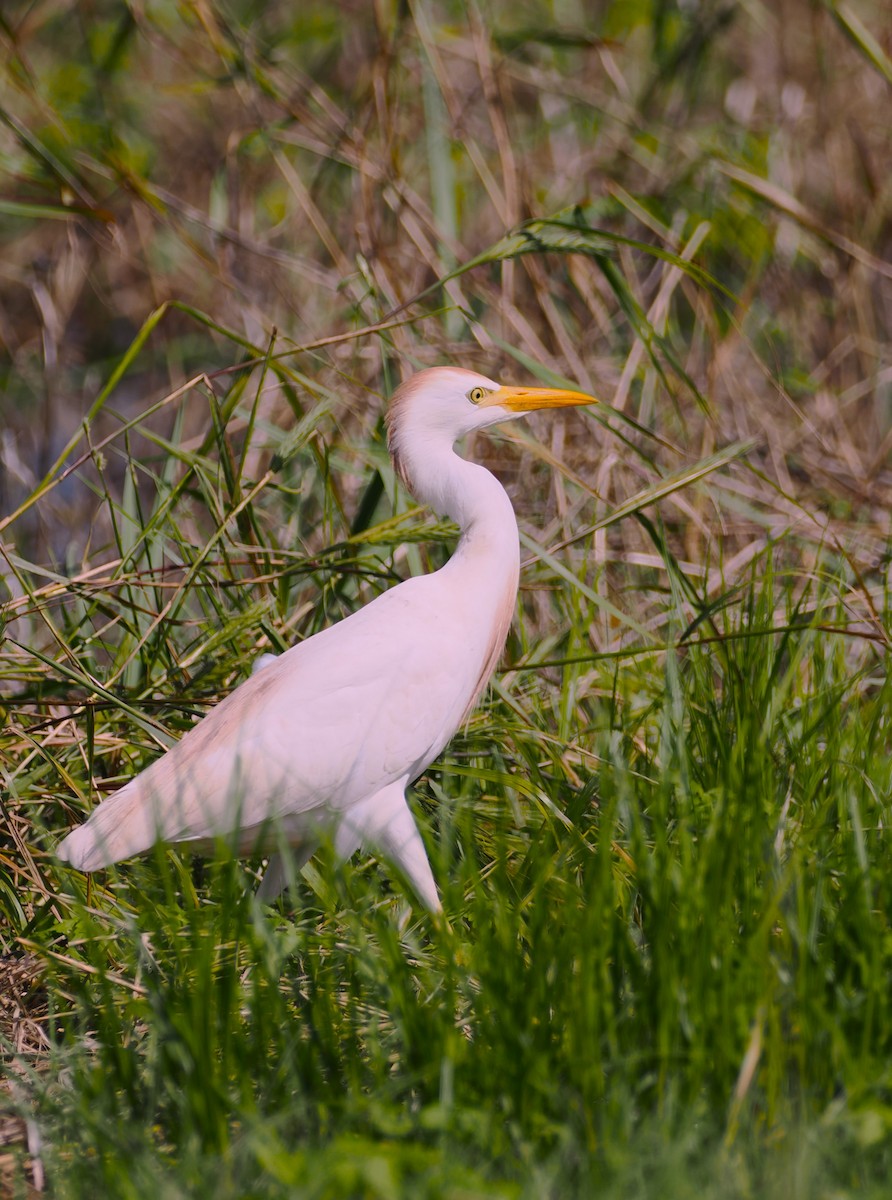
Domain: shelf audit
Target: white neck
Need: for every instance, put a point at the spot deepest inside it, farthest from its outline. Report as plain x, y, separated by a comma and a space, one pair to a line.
476, 501
482, 576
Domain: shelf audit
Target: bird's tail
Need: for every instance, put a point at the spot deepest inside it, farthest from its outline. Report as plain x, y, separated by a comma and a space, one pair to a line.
119, 828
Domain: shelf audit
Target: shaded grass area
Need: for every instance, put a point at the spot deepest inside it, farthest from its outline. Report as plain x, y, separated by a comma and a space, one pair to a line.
661, 840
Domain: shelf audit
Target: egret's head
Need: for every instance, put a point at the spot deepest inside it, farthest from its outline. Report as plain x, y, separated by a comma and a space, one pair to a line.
433, 409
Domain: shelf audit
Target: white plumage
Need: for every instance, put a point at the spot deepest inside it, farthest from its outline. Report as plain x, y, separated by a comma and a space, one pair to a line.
324, 740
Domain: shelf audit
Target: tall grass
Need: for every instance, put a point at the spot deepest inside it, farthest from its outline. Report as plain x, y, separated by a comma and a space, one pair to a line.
680, 953
661, 839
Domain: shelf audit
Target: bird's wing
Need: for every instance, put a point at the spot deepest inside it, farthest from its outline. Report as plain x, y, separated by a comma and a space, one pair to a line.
362, 704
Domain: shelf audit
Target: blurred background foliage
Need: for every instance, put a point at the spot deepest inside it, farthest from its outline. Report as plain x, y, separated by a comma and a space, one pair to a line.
310, 168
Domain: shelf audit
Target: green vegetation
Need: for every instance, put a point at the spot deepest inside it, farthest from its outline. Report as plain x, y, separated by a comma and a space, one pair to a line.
226, 231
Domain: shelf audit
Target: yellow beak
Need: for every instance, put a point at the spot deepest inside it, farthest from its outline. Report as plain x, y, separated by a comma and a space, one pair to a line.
525, 399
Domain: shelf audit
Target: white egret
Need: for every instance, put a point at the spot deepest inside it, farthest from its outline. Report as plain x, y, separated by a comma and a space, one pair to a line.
324, 740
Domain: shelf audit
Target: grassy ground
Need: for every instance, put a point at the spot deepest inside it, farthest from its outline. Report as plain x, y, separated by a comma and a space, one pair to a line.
661, 840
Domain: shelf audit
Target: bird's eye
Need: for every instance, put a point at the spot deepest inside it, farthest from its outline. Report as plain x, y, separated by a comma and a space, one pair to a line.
476, 394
